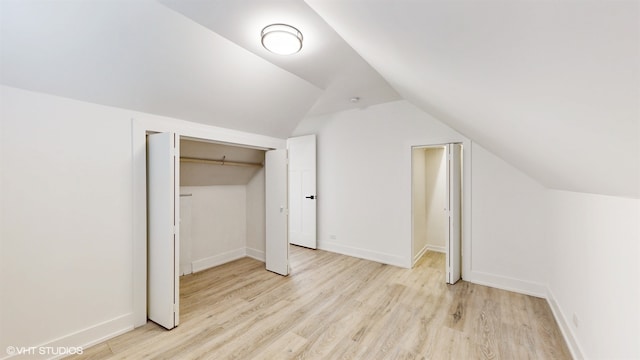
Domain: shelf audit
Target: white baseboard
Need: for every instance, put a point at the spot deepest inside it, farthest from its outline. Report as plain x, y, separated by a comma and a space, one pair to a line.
507, 283
419, 255
255, 254
83, 338
564, 324
537, 290
219, 259
435, 248
365, 254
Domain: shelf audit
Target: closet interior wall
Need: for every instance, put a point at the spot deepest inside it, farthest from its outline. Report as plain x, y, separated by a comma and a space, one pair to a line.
429, 200
222, 204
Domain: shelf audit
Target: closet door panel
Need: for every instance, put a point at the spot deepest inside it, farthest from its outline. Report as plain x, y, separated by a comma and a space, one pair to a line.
163, 256
276, 211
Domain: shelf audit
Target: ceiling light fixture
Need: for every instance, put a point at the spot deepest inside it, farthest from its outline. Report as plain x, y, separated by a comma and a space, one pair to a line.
281, 39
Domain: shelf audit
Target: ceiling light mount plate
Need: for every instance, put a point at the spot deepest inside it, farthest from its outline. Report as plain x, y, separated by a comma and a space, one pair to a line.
281, 39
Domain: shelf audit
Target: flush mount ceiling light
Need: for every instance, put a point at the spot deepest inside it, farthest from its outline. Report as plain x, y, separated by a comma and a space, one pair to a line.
281, 39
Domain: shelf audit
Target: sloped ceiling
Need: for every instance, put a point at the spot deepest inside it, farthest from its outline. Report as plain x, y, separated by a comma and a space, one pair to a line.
196, 60
553, 87
325, 60
140, 55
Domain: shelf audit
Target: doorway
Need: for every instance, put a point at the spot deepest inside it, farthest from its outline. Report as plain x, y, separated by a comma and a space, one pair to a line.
436, 192
163, 165
221, 204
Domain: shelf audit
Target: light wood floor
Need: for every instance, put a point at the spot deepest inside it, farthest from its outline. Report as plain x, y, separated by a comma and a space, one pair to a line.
339, 307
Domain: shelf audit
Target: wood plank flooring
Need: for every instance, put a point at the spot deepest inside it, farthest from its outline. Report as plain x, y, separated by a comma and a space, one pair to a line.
339, 307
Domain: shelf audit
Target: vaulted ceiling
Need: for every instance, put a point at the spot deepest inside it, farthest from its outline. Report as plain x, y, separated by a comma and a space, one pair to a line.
552, 87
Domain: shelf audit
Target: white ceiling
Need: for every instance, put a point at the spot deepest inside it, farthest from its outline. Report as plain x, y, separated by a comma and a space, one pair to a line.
553, 87
143, 56
325, 60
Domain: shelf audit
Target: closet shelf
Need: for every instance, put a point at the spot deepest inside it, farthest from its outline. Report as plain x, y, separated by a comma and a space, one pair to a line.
222, 162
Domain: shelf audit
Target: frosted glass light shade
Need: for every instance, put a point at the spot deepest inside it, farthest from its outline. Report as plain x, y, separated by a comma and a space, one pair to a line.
281, 39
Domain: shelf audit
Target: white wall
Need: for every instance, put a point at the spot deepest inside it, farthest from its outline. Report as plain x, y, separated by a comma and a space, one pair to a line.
256, 216
429, 200
72, 230
364, 177
508, 240
218, 224
594, 257
418, 203
66, 188
364, 195
436, 198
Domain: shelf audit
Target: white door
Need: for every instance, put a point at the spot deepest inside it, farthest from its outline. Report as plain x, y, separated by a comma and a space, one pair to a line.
277, 239
302, 190
454, 192
163, 257
185, 234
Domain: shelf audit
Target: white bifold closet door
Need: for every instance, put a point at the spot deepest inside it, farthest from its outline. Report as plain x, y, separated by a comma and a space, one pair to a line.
302, 190
276, 212
454, 208
163, 214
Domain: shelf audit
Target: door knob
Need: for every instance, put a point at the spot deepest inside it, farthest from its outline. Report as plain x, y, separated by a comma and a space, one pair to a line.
310, 197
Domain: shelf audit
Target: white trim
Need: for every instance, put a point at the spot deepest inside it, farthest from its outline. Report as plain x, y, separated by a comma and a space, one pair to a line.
364, 254
427, 247
567, 331
419, 254
538, 290
435, 248
255, 254
88, 337
219, 259
507, 283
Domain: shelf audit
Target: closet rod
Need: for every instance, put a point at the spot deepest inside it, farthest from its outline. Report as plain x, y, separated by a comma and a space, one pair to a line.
218, 162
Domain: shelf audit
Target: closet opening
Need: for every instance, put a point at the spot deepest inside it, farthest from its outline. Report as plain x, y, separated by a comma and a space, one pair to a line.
436, 201
209, 203
222, 208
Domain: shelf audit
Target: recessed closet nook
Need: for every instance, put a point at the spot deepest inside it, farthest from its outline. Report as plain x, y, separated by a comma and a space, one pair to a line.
222, 204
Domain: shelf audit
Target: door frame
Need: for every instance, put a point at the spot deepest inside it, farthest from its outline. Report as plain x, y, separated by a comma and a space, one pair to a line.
466, 198
140, 127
